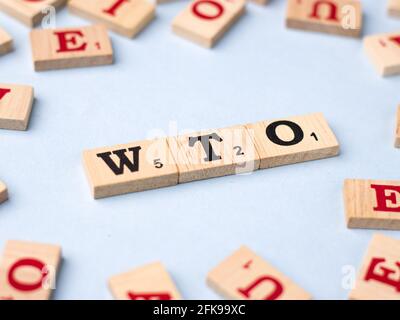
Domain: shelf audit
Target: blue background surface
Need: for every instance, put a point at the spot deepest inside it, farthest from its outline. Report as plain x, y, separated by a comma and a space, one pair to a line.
292, 216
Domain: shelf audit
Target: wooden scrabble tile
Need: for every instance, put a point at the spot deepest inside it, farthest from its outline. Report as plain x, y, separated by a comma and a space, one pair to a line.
29, 12
205, 21
150, 282
15, 106
6, 42
394, 8
372, 204
131, 167
3, 192
341, 17
127, 17
263, 2
397, 134
293, 140
384, 52
246, 276
214, 153
164, 1
28, 270
379, 277
71, 47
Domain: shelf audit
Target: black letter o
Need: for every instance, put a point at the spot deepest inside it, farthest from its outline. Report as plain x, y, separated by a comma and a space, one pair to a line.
297, 131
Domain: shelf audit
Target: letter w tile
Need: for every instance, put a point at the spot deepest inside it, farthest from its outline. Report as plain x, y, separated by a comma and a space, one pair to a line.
124, 161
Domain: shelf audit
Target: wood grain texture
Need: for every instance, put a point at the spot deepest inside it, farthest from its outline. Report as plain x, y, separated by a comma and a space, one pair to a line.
397, 132
3, 192
293, 140
6, 42
15, 106
205, 22
384, 52
379, 275
214, 153
127, 18
394, 8
340, 17
246, 276
29, 13
148, 165
150, 282
369, 205
71, 47
28, 270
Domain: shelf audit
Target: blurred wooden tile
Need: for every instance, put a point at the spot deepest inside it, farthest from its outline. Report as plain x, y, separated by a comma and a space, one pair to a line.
15, 106
246, 276
379, 277
131, 167
71, 47
166, 1
3, 192
126, 17
6, 42
150, 282
262, 2
372, 204
394, 8
28, 270
214, 153
293, 140
397, 133
341, 17
384, 52
205, 21
29, 12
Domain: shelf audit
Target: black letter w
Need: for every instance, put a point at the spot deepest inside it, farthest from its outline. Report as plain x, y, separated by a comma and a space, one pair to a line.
133, 166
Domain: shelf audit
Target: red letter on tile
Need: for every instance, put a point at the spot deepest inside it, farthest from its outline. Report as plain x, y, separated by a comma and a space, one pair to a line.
27, 263
3, 92
386, 195
332, 6
218, 7
149, 296
384, 275
68, 44
273, 296
396, 39
112, 10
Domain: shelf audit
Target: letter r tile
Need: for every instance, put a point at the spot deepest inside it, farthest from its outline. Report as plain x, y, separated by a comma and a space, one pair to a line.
71, 47
372, 204
132, 167
341, 17
379, 276
28, 270
126, 17
27, 11
150, 282
293, 140
214, 153
246, 276
15, 106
